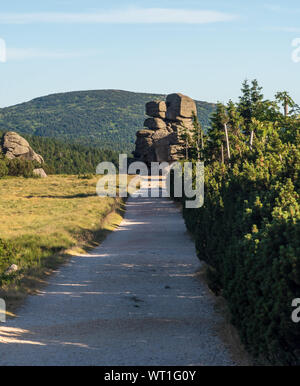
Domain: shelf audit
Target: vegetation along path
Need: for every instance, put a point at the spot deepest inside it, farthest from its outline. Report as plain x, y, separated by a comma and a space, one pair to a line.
135, 300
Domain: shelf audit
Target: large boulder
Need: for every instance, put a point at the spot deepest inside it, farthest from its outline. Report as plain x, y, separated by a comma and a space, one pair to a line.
143, 146
156, 109
15, 146
180, 106
163, 141
155, 123
40, 173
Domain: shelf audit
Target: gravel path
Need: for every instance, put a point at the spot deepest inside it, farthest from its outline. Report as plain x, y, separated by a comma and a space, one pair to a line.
134, 300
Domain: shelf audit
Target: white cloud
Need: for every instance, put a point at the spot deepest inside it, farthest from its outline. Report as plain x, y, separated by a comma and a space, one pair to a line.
33, 53
128, 16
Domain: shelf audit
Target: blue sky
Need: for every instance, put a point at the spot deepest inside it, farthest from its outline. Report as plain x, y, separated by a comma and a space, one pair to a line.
201, 48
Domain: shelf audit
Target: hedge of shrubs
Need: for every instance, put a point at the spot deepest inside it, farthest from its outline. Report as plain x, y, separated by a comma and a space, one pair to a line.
17, 167
248, 232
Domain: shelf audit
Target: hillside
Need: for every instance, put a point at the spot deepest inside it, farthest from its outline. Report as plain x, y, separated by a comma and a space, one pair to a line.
105, 118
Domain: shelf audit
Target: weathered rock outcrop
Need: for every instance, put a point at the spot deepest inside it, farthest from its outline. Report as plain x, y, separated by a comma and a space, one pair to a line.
155, 123
156, 109
15, 146
162, 141
179, 105
40, 173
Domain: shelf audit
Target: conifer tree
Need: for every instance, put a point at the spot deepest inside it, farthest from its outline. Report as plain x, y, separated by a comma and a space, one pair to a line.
284, 98
218, 134
236, 128
245, 105
197, 137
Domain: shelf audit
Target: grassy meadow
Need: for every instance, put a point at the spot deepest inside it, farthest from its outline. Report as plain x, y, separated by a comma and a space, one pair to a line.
45, 220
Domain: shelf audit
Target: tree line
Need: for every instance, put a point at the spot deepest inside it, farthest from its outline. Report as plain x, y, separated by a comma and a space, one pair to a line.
60, 158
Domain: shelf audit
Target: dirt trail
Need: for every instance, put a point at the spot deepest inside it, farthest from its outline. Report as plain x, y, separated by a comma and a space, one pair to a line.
134, 300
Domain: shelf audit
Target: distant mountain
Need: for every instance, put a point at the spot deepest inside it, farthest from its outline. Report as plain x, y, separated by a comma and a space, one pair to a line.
105, 118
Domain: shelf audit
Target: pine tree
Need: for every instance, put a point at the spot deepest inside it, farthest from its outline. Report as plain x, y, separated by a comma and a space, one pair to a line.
186, 139
236, 129
197, 137
245, 105
218, 134
284, 98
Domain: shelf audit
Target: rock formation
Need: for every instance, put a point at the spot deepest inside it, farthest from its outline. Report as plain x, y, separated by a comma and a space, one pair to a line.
162, 141
40, 173
15, 146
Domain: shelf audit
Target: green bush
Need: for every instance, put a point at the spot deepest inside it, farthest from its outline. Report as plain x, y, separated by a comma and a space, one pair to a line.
3, 168
8, 255
248, 230
18, 167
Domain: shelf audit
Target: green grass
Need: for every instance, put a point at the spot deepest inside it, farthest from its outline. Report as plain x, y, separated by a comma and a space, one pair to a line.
44, 221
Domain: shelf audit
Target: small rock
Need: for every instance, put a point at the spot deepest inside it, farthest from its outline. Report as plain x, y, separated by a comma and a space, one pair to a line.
136, 299
40, 172
13, 268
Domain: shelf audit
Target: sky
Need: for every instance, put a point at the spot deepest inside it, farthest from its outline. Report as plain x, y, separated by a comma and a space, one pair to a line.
204, 49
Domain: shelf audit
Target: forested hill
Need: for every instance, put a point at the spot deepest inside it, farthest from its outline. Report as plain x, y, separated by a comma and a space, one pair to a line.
105, 118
